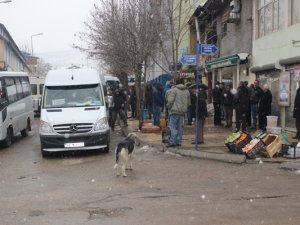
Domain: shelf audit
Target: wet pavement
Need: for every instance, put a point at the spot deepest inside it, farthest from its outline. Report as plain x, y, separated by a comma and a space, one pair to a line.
164, 188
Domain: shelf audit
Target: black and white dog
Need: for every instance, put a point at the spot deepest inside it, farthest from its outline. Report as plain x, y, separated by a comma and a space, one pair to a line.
123, 152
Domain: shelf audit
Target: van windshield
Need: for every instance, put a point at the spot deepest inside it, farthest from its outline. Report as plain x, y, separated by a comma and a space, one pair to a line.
73, 96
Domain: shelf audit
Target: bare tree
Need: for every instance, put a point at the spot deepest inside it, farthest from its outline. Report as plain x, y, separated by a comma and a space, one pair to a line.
123, 34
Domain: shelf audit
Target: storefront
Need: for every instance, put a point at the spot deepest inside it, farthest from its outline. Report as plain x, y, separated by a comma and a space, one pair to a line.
282, 79
230, 69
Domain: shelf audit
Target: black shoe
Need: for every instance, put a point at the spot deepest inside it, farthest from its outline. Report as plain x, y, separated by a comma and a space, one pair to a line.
170, 146
199, 142
179, 145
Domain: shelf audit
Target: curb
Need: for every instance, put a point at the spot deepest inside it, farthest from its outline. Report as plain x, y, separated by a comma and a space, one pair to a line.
292, 166
228, 158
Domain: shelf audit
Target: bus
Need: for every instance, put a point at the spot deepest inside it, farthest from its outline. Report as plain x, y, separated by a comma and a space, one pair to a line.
37, 86
15, 106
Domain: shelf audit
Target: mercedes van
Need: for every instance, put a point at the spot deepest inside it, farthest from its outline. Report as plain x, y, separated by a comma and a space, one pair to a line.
73, 112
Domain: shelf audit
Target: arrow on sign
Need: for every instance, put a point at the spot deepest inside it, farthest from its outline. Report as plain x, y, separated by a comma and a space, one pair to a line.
207, 49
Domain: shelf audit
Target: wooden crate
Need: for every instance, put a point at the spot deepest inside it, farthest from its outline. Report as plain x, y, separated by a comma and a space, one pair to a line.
274, 147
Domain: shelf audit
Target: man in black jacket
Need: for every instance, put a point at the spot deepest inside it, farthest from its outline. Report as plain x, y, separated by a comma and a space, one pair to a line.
119, 100
296, 113
255, 96
228, 105
217, 101
241, 105
264, 107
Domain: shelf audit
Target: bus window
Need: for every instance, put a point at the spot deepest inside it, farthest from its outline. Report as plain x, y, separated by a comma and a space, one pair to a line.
26, 86
33, 89
11, 90
19, 88
41, 87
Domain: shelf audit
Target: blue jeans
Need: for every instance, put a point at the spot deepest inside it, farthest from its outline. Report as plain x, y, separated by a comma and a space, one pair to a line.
254, 114
156, 115
176, 127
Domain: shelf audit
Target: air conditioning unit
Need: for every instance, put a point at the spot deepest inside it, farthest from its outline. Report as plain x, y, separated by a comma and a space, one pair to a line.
235, 11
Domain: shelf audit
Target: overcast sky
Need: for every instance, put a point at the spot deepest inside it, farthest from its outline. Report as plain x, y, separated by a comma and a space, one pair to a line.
58, 20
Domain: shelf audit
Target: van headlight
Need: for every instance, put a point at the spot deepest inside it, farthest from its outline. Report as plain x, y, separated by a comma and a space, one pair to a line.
101, 124
45, 127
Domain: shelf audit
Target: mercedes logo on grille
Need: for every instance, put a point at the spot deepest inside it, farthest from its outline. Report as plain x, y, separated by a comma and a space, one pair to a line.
73, 128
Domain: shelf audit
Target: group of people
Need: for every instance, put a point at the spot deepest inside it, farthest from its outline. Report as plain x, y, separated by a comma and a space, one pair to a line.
251, 104
177, 100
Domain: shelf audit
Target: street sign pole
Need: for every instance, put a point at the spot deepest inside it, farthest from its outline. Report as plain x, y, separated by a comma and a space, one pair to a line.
198, 57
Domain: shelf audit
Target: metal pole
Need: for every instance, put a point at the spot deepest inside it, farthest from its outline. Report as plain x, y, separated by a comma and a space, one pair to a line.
32, 41
198, 56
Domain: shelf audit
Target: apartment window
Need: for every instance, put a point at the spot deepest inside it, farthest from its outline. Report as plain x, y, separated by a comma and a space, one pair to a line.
295, 11
270, 16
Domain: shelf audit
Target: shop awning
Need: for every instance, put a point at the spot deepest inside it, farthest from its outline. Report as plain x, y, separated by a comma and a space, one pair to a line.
227, 61
257, 69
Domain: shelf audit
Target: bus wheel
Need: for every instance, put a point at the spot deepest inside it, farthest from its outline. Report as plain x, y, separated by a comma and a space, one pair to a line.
24, 132
8, 140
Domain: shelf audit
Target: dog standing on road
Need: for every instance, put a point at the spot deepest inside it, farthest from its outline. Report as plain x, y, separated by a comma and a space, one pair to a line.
123, 152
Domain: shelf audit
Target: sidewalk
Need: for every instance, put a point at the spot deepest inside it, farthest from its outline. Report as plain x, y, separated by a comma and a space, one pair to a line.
213, 147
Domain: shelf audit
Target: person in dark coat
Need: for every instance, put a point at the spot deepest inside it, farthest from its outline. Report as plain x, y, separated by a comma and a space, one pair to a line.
133, 102
255, 96
157, 103
296, 113
249, 122
217, 101
202, 109
119, 100
264, 107
148, 99
228, 105
241, 105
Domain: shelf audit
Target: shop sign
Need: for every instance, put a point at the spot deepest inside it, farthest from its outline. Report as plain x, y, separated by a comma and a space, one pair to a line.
184, 74
222, 62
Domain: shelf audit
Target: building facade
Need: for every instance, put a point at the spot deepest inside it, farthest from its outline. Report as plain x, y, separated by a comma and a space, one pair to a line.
11, 59
276, 52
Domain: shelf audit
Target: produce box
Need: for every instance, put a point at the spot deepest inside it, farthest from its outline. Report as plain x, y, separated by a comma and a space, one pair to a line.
254, 147
237, 141
274, 130
273, 144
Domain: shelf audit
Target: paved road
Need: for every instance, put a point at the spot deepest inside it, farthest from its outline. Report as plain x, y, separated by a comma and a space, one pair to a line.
163, 189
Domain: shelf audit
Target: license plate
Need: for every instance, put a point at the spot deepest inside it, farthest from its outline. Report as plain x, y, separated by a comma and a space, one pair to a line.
74, 145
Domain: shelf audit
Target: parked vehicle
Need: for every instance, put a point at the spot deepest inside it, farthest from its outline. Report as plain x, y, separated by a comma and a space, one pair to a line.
37, 86
111, 82
15, 105
73, 112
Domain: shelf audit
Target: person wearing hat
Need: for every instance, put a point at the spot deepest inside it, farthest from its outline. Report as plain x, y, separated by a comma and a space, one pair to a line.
241, 105
202, 109
119, 99
217, 101
178, 101
296, 113
264, 107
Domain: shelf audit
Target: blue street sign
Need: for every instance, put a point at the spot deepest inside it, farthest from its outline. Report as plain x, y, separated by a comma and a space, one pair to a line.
207, 49
188, 60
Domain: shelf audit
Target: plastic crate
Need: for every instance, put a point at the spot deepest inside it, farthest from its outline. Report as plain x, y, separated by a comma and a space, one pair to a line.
291, 151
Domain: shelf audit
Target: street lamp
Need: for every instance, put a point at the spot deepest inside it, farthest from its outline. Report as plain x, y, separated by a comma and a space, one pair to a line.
6, 1
32, 43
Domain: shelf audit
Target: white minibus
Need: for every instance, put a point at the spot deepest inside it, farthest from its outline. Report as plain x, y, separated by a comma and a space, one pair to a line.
15, 106
73, 112
37, 86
